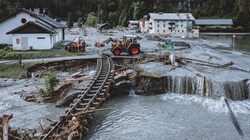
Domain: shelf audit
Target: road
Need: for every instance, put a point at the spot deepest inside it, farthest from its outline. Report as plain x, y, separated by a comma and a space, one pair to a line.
94, 56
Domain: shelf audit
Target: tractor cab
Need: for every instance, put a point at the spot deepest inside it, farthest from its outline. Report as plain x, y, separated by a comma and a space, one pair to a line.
129, 39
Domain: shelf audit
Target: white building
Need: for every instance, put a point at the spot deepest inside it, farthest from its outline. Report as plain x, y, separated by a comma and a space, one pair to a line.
144, 24
133, 24
25, 29
171, 23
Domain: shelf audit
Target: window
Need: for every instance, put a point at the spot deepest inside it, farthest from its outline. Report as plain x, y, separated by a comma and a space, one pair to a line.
158, 21
183, 31
164, 21
164, 25
158, 26
158, 31
181, 26
17, 41
178, 31
164, 31
40, 37
23, 20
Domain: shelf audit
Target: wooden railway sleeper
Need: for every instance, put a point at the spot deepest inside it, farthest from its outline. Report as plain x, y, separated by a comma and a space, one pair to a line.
90, 95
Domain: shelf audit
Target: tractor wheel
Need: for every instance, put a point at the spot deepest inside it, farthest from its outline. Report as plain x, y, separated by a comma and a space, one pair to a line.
70, 48
82, 49
134, 50
116, 51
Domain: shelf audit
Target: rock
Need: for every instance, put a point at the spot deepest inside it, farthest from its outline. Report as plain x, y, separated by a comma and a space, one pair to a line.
6, 82
67, 100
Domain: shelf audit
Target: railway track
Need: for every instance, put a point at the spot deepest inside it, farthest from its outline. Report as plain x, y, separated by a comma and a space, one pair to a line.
73, 122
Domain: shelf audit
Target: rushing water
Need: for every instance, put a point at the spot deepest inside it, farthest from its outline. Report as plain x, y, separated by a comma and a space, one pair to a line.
168, 117
241, 42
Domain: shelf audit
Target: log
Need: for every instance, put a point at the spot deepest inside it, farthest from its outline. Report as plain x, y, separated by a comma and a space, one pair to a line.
6, 119
78, 79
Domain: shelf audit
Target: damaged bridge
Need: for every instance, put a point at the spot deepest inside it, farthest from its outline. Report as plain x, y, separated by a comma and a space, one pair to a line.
73, 123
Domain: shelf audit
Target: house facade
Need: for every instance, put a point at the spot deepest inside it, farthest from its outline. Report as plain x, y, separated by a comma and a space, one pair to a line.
22, 17
170, 23
32, 35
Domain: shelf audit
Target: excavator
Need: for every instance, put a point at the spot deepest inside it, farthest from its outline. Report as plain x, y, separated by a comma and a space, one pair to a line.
78, 45
105, 42
128, 44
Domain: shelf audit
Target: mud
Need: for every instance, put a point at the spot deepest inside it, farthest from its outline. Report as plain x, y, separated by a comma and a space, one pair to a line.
67, 65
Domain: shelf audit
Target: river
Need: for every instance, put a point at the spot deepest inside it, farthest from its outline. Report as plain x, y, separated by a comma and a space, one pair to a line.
240, 43
168, 117
174, 116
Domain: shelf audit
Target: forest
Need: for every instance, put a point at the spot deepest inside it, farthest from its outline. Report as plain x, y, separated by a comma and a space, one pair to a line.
118, 12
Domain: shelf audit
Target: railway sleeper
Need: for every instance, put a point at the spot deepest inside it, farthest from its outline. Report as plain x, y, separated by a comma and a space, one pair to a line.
97, 87
80, 109
100, 99
98, 84
96, 104
101, 78
94, 91
99, 81
86, 100
83, 104
90, 95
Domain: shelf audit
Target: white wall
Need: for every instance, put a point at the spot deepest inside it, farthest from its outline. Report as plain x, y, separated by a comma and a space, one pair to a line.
15, 22
11, 24
45, 41
159, 28
59, 34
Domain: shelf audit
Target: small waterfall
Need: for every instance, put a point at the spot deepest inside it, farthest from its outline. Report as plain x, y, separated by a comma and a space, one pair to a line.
199, 85
248, 88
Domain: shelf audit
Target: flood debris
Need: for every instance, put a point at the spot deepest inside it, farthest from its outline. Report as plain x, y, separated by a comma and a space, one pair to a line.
234, 120
178, 61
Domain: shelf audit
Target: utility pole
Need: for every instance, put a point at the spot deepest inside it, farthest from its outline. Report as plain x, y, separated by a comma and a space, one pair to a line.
234, 36
187, 26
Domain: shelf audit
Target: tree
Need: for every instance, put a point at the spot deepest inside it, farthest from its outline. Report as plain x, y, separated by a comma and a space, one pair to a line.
113, 18
51, 82
80, 22
92, 20
70, 20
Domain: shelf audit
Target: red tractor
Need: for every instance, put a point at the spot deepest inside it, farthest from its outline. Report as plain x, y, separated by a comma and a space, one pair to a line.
128, 45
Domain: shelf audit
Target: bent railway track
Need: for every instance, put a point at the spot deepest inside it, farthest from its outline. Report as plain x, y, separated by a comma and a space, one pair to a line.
72, 123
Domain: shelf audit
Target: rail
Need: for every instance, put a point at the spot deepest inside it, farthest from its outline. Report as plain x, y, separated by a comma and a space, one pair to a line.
88, 100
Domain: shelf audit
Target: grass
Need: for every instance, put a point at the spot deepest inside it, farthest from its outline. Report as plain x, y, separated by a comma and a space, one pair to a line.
14, 70
33, 54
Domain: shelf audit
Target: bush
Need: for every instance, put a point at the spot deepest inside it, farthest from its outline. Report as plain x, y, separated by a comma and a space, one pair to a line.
51, 82
2, 46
